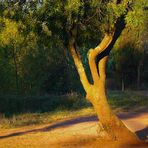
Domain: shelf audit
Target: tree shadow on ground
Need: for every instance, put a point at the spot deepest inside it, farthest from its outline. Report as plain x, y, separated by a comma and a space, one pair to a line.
142, 134
54, 126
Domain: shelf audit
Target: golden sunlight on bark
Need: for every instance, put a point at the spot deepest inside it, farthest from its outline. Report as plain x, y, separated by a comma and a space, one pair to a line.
80, 68
113, 127
93, 53
102, 67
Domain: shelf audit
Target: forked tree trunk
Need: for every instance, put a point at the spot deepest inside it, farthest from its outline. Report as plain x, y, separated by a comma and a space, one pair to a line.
111, 125
95, 93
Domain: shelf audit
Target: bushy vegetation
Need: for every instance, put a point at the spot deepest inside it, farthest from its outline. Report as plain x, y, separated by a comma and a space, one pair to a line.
20, 104
127, 100
71, 106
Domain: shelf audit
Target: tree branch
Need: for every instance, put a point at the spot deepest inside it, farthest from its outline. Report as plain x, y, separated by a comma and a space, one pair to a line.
93, 53
79, 66
102, 68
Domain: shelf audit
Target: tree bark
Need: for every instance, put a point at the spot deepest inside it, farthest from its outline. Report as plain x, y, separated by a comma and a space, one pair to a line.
111, 124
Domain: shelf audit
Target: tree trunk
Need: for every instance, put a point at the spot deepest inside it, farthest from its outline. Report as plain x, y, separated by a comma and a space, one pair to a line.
95, 93
112, 126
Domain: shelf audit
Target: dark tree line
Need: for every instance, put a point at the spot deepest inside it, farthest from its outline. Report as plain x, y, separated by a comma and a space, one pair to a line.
34, 60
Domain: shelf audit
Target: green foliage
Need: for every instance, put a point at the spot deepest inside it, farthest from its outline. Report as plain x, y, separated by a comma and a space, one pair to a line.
40, 63
10, 33
127, 100
124, 62
114, 12
136, 19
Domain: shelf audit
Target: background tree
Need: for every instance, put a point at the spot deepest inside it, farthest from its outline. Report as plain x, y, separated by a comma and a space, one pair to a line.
11, 40
125, 65
37, 52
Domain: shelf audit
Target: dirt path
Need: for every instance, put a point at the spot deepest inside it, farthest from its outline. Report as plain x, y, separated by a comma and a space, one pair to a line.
70, 133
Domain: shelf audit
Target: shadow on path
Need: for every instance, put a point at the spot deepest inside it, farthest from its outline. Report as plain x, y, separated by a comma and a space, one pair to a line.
54, 126
142, 134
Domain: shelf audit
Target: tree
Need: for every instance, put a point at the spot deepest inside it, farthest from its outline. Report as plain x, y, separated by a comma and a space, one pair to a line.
129, 52
78, 21
34, 52
11, 40
125, 60
96, 92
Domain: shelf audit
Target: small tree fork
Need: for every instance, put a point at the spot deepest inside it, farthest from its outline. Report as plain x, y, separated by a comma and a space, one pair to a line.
93, 53
111, 124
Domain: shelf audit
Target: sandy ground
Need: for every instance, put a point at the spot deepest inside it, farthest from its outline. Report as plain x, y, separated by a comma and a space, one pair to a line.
74, 133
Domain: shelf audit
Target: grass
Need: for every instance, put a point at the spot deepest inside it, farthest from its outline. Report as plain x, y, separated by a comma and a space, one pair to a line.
127, 100
80, 107
42, 118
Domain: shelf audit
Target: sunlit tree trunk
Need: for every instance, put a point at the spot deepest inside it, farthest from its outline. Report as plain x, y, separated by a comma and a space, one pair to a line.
110, 124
